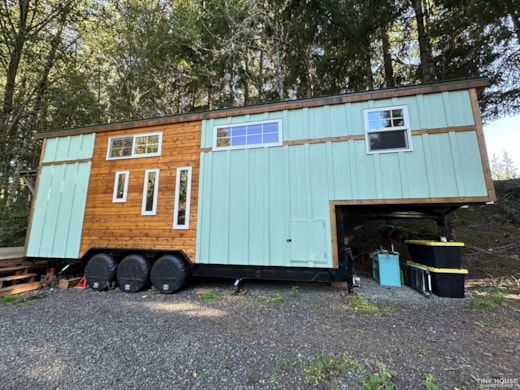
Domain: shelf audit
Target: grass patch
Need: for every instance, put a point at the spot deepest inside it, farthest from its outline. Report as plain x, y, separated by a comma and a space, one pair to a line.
278, 298
486, 324
332, 371
284, 364
492, 298
326, 368
153, 291
18, 300
9, 298
381, 380
295, 292
212, 296
359, 304
429, 384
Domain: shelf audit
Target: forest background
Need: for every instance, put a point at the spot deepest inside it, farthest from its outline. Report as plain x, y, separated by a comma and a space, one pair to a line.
68, 63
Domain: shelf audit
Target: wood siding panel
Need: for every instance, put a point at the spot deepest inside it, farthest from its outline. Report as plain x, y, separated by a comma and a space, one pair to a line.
121, 225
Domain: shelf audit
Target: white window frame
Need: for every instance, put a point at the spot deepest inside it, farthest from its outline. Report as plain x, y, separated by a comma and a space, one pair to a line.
186, 224
147, 173
134, 154
248, 124
117, 180
406, 128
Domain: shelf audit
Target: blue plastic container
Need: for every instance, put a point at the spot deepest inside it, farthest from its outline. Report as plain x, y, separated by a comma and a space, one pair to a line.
385, 269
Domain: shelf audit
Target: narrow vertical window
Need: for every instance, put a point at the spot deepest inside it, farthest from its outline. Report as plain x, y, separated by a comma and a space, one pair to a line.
151, 184
120, 186
181, 217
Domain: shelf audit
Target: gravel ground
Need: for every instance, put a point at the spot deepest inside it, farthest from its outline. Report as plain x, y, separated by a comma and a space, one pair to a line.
278, 335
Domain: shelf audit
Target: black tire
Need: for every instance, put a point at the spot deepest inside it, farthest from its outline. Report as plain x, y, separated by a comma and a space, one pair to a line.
169, 273
100, 271
133, 272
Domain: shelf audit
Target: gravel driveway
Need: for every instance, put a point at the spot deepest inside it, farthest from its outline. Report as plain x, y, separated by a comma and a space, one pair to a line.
279, 335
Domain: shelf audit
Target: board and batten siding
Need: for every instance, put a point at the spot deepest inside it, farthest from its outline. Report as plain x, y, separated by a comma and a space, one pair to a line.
270, 206
111, 224
58, 209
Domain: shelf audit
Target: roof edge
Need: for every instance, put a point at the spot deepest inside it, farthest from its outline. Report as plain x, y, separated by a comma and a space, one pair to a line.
417, 89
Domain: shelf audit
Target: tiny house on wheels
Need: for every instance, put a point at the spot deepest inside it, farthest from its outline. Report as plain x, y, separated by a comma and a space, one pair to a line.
265, 191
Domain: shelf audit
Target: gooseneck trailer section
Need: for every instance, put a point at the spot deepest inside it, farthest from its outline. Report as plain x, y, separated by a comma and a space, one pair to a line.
266, 191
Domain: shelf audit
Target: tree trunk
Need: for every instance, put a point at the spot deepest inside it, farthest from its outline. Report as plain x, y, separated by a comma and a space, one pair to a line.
261, 77
12, 70
41, 89
424, 44
387, 59
7, 122
245, 79
515, 17
368, 65
279, 72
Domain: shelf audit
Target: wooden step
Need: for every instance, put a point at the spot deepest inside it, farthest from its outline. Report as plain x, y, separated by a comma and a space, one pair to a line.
19, 288
28, 278
18, 270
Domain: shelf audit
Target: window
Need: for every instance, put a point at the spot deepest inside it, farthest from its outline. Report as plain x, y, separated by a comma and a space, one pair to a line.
387, 129
141, 145
248, 135
181, 214
120, 186
151, 185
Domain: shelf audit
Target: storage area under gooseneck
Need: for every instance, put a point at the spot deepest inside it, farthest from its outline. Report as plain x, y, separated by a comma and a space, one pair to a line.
442, 262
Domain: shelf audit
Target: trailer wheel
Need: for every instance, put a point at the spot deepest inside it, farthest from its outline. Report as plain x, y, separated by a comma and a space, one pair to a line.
100, 271
133, 272
169, 274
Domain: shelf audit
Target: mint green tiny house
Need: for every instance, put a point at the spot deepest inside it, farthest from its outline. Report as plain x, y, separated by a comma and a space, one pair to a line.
272, 189
275, 205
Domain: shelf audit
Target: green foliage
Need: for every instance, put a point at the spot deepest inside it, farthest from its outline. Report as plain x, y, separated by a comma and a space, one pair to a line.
503, 169
14, 219
381, 380
492, 298
326, 368
284, 364
295, 292
203, 373
486, 324
508, 200
396, 232
212, 296
9, 298
360, 305
429, 384
278, 298
327, 371
17, 300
